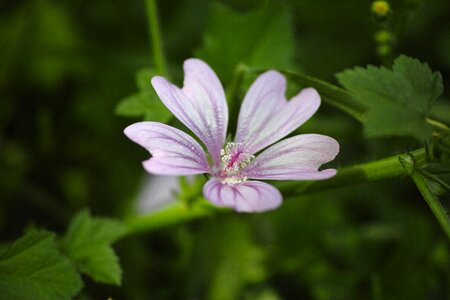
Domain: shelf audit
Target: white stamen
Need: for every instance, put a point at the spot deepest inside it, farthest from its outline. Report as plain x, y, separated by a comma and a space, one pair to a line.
234, 160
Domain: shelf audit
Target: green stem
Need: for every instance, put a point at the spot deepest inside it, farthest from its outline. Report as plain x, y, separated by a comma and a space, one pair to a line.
389, 167
176, 213
437, 124
155, 37
331, 94
432, 201
339, 97
180, 212
232, 95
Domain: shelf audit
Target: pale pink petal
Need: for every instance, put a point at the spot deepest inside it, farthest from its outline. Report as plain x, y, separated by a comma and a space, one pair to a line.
266, 116
295, 158
173, 151
200, 104
250, 196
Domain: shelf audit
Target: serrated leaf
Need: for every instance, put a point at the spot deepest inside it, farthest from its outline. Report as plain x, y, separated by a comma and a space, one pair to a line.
88, 244
144, 103
32, 268
398, 101
261, 38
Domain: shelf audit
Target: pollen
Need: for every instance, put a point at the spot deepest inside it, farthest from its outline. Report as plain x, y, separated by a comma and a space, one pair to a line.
234, 160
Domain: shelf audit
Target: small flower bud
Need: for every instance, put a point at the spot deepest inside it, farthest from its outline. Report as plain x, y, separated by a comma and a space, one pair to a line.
382, 36
380, 8
384, 50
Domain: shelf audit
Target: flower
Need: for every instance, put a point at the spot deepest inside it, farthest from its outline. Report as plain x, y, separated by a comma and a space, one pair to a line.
265, 118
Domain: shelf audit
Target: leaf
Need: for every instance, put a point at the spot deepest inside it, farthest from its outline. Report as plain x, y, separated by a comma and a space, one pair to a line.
398, 100
227, 253
88, 244
146, 102
261, 38
32, 268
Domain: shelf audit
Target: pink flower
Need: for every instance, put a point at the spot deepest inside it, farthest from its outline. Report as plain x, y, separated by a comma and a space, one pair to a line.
265, 117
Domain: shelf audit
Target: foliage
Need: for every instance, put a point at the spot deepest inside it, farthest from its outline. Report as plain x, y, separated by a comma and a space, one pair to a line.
252, 38
87, 243
398, 101
33, 268
144, 103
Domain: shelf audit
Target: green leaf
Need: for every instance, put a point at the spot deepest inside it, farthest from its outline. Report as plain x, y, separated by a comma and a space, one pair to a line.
225, 252
398, 100
32, 268
88, 244
261, 38
146, 102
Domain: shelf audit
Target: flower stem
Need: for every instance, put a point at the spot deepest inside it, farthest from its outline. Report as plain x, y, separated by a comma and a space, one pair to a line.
339, 97
180, 212
176, 213
331, 94
432, 201
155, 37
389, 167
232, 95
437, 124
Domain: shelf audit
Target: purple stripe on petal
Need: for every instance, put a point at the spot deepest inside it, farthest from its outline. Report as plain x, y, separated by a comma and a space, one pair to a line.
266, 116
250, 196
200, 104
173, 151
296, 158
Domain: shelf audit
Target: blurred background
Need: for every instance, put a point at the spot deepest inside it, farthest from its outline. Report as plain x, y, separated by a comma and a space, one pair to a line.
66, 65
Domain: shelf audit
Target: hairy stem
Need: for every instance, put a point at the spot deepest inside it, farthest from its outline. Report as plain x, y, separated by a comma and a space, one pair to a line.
155, 37
437, 124
232, 95
180, 212
432, 201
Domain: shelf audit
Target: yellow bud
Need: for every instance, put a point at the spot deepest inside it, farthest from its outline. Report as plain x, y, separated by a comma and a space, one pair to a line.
380, 8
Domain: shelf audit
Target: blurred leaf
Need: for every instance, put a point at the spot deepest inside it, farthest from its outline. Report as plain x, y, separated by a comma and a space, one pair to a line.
32, 268
54, 45
260, 38
241, 268
227, 259
398, 101
146, 102
88, 244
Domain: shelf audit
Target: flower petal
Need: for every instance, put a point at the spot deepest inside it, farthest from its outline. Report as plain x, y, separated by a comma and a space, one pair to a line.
295, 158
200, 104
173, 151
250, 196
266, 116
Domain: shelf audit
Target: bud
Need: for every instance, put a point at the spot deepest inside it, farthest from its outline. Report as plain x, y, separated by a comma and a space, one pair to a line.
382, 36
380, 8
384, 50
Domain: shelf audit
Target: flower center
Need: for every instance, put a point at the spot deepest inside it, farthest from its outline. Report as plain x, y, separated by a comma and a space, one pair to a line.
234, 160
